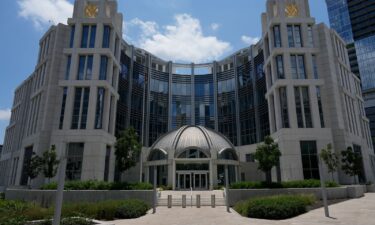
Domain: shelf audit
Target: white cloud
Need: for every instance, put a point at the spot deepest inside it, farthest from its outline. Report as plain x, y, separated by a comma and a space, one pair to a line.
215, 26
182, 41
45, 12
5, 114
249, 40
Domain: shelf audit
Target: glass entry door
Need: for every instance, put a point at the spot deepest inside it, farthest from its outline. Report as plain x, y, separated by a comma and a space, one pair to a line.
192, 179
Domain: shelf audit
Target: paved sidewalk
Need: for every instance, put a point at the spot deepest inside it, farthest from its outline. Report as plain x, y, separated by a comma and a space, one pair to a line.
354, 212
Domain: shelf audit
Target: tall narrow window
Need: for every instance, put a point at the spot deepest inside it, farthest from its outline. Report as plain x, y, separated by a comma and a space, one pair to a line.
303, 109
315, 67
80, 108
294, 36
277, 36
319, 96
92, 36
85, 107
72, 33
106, 36
280, 67
310, 36
297, 66
107, 161
284, 108
85, 36
103, 68
88, 36
99, 108
68, 64
297, 96
62, 113
85, 67
309, 157
74, 161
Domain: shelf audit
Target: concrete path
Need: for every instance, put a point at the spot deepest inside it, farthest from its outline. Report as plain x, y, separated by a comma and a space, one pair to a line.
354, 212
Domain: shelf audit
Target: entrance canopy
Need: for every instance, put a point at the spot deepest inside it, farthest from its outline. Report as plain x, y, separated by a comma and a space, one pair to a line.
191, 157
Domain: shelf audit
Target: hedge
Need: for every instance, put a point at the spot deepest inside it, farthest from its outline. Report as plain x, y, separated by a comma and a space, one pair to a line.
99, 185
17, 212
275, 207
286, 184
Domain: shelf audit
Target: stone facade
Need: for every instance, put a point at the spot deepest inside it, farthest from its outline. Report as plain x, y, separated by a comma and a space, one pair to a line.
89, 84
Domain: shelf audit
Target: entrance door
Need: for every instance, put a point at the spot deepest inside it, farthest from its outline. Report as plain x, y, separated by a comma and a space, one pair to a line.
184, 180
200, 181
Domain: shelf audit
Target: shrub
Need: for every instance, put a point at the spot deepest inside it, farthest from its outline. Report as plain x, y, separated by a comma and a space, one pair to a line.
275, 207
132, 209
99, 185
75, 221
2, 196
288, 184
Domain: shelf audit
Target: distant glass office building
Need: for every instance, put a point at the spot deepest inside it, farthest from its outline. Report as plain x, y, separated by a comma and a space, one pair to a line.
354, 20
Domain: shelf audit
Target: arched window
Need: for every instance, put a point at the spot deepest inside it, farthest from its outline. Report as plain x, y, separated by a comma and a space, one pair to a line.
228, 154
157, 154
192, 154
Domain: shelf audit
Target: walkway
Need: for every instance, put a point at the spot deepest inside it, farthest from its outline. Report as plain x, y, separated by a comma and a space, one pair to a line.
354, 212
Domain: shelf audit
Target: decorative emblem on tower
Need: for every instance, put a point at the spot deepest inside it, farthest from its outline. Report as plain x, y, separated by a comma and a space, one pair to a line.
291, 10
91, 10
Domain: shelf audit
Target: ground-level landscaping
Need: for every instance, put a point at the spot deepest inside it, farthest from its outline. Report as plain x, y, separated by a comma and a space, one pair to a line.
99, 185
18, 212
287, 184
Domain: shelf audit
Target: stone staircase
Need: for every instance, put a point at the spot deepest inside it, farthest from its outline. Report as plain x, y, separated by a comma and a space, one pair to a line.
191, 198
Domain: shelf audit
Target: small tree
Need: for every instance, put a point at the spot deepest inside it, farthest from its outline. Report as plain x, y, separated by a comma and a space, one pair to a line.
35, 166
128, 149
268, 156
50, 163
351, 163
330, 159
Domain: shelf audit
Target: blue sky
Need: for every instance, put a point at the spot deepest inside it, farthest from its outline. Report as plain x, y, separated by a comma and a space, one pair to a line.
215, 27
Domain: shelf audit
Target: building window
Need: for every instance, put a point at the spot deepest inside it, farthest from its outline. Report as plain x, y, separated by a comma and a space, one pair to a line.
280, 67
107, 161
26, 164
284, 108
106, 36
315, 67
319, 97
62, 113
68, 64
72, 33
297, 66
80, 108
103, 67
361, 176
310, 36
309, 160
250, 158
303, 110
99, 109
74, 161
85, 67
277, 36
88, 36
294, 36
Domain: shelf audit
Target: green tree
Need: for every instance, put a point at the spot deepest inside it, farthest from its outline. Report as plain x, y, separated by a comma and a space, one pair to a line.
351, 163
35, 166
331, 159
128, 149
268, 156
50, 163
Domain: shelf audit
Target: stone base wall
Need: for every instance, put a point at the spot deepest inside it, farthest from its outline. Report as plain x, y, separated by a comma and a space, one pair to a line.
355, 191
47, 198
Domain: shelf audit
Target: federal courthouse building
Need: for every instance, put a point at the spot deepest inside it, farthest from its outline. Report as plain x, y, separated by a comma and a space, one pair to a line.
295, 84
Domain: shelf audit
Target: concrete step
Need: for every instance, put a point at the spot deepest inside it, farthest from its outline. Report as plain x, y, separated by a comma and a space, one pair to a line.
189, 202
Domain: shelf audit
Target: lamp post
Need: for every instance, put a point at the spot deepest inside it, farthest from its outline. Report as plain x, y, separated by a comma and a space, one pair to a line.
323, 187
60, 188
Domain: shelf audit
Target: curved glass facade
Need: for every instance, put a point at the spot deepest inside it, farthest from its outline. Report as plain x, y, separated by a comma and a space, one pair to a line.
227, 96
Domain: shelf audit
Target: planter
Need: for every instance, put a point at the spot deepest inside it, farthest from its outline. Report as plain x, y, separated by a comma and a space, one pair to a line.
370, 188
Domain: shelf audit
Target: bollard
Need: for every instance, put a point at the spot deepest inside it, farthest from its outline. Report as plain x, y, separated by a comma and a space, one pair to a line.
183, 201
169, 201
198, 201
213, 203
